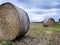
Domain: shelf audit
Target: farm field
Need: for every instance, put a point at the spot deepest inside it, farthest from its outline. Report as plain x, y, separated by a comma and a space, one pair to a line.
39, 35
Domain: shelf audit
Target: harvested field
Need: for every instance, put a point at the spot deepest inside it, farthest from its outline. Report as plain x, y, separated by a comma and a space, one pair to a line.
39, 35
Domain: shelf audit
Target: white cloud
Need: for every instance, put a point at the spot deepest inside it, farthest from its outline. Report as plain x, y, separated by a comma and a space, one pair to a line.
55, 3
35, 17
52, 13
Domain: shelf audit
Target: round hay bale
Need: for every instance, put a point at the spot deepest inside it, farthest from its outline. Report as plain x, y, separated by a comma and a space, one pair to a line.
48, 22
24, 22
14, 22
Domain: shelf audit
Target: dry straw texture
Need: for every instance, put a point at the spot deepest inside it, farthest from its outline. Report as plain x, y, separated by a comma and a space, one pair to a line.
10, 22
48, 22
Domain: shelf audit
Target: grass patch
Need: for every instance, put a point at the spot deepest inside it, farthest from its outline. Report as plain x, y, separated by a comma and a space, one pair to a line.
57, 24
38, 28
53, 29
8, 43
56, 27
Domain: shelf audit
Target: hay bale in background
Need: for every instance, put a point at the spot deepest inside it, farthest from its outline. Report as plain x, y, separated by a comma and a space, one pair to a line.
13, 22
48, 22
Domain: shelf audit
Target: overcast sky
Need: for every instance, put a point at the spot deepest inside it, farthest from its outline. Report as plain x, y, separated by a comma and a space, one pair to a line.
38, 10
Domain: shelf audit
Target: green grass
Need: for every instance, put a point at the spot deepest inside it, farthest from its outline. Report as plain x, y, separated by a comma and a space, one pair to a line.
57, 24
53, 28
56, 27
8, 43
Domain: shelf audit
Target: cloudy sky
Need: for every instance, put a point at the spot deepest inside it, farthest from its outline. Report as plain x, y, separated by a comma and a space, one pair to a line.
38, 10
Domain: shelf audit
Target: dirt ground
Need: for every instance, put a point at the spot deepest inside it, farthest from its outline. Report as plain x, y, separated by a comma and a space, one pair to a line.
39, 35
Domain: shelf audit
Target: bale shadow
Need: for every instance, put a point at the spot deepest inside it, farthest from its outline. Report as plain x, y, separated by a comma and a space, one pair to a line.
26, 37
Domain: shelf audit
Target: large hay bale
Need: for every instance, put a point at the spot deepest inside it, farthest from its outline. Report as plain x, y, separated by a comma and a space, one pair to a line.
13, 22
48, 22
